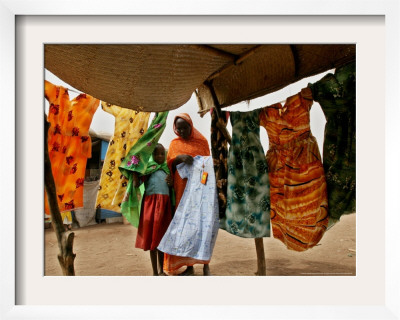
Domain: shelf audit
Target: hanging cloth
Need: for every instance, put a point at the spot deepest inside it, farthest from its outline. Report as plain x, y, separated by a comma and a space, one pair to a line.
299, 204
139, 159
130, 125
336, 93
248, 200
69, 143
219, 151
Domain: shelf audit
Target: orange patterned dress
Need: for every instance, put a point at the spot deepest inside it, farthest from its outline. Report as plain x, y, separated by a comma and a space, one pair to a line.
69, 143
299, 206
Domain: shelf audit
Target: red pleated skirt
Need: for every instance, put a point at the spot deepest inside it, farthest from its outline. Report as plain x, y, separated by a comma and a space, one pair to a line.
155, 216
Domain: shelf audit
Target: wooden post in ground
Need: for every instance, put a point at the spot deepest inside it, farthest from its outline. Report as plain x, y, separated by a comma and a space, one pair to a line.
261, 267
65, 239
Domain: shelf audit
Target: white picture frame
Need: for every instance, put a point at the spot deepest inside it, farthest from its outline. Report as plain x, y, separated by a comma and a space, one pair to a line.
387, 148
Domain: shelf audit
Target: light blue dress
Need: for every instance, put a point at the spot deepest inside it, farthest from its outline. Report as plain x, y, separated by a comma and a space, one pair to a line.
194, 228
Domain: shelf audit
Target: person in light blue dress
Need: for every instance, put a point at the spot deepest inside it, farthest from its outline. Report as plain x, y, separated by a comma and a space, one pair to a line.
193, 230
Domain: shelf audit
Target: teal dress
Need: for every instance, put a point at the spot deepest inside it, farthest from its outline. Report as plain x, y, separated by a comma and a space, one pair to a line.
336, 93
248, 202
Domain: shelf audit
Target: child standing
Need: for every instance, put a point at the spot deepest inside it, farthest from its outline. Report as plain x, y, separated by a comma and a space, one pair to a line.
156, 211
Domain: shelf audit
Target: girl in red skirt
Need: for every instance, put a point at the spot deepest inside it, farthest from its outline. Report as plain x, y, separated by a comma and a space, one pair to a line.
156, 211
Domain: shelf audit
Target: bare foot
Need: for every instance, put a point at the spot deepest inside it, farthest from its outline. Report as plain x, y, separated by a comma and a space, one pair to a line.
206, 270
188, 272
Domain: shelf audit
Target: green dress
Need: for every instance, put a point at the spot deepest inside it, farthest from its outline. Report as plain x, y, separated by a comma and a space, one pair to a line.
336, 93
248, 200
139, 160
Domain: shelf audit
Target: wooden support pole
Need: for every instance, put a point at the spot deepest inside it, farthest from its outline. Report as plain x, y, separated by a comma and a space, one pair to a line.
261, 266
65, 239
237, 61
217, 108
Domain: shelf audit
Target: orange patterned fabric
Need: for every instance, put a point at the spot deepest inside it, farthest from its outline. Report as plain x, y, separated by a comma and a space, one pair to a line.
197, 144
299, 206
69, 143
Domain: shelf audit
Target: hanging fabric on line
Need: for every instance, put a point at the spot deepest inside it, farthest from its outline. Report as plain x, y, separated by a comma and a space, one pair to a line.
248, 199
137, 160
69, 143
219, 151
336, 93
130, 126
299, 204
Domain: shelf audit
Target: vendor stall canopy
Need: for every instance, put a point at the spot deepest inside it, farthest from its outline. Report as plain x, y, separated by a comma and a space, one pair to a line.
163, 77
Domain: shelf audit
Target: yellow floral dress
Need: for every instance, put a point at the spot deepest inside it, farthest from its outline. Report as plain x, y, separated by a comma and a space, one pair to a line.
130, 125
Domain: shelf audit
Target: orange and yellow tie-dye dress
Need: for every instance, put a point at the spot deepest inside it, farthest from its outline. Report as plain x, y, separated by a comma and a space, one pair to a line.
130, 125
298, 190
69, 143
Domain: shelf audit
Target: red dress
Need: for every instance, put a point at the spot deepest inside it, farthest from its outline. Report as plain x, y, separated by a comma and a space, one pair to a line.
156, 212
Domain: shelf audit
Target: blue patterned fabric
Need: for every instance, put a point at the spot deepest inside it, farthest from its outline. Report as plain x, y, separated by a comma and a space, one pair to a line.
194, 228
248, 203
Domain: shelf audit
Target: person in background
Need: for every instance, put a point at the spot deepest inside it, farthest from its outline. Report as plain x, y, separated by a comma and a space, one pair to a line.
156, 211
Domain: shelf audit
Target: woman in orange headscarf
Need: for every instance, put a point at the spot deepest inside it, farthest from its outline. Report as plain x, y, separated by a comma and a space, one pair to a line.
189, 143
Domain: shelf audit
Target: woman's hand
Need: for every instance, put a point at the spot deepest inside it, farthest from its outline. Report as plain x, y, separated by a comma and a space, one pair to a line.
181, 158
169, 180
185, 158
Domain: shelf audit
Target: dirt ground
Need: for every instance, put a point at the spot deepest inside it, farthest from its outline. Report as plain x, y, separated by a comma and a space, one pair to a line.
108, 250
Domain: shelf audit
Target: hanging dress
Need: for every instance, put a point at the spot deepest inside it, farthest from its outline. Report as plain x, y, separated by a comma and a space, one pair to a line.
299, 204
248, 199
336, 93
191, 235
130, 125
69, 143
219, 151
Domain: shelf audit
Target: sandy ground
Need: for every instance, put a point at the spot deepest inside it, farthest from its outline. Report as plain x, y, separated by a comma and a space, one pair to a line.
108, 250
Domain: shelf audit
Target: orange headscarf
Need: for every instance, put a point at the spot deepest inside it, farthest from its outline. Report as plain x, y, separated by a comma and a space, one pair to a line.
196, 145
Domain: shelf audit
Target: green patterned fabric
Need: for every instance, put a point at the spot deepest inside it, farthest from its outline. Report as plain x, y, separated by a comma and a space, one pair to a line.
139, 160
336, 93
248, 200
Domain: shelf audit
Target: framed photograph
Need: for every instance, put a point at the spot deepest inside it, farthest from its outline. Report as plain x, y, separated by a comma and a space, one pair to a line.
372, 293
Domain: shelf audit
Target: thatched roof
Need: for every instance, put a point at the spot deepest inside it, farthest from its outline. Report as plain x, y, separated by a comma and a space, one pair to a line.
163, 77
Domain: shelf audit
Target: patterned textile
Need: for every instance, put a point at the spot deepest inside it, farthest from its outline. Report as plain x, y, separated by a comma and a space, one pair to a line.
299, 204
139, 159
194, 228
219, 151
156, 213
247, 212
130, 125
336, 93
197, 144
69, 143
